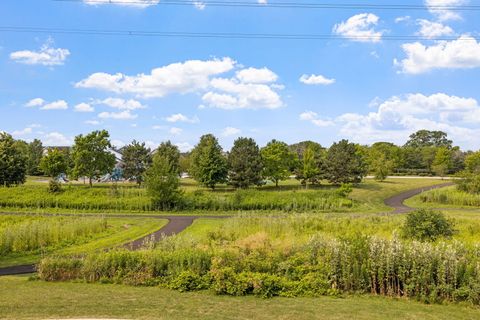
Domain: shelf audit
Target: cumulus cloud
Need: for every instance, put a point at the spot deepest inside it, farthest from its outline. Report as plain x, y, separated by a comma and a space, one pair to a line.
182, 77
315, 119
396, 118
463, 53
93, 122
55, 105
435, 7
184, 146
46, 56
23, 132
83, 107
56, 139
121, 104
37, 102
175, 131
360, 27
122, 115
316, 79
431, 30
230, 131
178, 117
254, 75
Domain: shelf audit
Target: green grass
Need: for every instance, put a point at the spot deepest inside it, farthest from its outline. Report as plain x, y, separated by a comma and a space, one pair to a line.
118, 232
449, 197
23, 299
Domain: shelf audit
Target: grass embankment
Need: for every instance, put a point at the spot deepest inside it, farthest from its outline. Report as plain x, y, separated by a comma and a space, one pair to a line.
290, 196
446, 198
23, 299
26, 239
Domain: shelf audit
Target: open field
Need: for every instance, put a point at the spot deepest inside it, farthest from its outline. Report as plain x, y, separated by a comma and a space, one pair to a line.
127, 198
69, 300
25, 239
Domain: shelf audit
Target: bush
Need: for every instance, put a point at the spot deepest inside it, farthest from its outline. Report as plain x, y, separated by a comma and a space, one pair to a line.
54, 186
427, 225
469, 183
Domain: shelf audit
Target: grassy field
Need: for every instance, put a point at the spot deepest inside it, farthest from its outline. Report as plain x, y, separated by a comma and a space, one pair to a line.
290, 196
445, 198
24, 299
37, 236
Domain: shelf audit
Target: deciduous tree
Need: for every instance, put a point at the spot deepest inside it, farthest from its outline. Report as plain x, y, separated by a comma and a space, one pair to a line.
136, 158
277, 161
12, 161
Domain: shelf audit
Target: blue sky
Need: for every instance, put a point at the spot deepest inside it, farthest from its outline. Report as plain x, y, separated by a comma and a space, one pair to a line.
359, 85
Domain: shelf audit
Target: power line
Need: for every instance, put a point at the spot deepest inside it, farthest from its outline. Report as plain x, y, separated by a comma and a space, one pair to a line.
351, 6
221, 35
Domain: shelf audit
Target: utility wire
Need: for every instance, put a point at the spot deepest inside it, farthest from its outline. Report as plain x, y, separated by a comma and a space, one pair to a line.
351, 6
221, 35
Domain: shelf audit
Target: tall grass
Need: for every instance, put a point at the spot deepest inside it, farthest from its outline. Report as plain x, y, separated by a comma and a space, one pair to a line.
451, 196
30, 234
321, 266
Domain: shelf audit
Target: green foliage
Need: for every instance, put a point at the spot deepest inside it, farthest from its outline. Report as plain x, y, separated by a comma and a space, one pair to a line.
162, 183
469, 183
426, 138
35, 154
136, 159
443, 162
472, 163
381, 166
309, 169
91, 156
344, 190
171, 153
344, 164
54, 186
277, 161
12, 161
459, 197
245, 164
208, 165
427, 225
54, 163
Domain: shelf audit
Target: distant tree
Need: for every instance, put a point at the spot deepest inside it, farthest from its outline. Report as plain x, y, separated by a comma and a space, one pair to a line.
380, 166
458, 159
54, 163
185, 162
35, 154
426, 138
162, 182
208, 166
136, 159
245, 163
277, 161
472, 163
12, 161
300, 148
391, 152
309, 168
442, 162
344, 164
170, 152
91, 156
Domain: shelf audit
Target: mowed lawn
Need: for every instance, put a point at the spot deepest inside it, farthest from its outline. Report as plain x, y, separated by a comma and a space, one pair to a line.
21, 298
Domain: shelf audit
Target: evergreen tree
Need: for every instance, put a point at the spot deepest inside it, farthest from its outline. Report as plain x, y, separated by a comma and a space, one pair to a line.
136, 159
208, 166
344, 164
245, 164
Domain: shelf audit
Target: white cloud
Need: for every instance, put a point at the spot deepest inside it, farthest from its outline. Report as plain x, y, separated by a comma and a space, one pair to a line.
178, 117
314, 118
121, 104
175, 131
262, 1
157, 127
360, 27
56, 139
231, 94
396, 118
23, 132
462, 53
184, 146
37, 102
127, 3
230, 131
402, 19
316, 79
56, 105
254, 75
46, 56
435, 7
123, 115
184, 77
431, 30
199, 5
83, 107
93, 122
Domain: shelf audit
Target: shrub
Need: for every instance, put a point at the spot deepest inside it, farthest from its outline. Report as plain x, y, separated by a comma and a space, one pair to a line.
469, 183
54, 186
427, 225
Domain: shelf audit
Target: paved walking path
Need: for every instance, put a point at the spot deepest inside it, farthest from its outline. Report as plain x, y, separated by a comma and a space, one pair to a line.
177, 224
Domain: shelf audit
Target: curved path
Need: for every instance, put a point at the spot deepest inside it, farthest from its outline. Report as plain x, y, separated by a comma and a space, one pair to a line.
177, 224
